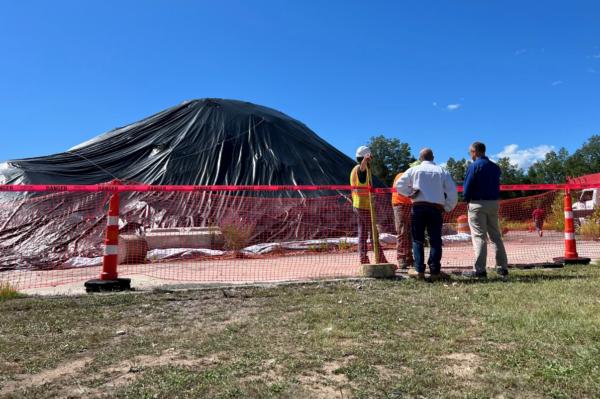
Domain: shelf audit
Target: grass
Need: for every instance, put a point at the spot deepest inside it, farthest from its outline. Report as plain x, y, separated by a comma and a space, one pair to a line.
556, 218
322, 246
520, 226
8, 291
590, 230
533, 335
345, 245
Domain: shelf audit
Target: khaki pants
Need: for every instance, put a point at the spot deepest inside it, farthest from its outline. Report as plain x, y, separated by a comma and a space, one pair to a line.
404, 245
483, 220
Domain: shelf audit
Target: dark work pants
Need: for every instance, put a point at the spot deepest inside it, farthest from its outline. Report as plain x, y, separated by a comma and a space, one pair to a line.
427, 217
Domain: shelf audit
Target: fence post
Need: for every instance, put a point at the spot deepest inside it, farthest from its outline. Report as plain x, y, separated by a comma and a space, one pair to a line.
378, 270
571, 255
374, 232
570, 244
109, 280
111, 243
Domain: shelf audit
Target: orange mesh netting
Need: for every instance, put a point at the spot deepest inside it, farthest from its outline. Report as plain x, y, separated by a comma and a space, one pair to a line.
214, 237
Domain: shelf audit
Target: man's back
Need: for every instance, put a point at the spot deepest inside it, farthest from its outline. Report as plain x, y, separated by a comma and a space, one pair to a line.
432, 182
482, 180
429, 178
539, 214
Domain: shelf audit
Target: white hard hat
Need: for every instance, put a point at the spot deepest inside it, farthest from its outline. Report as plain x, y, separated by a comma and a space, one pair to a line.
362, 151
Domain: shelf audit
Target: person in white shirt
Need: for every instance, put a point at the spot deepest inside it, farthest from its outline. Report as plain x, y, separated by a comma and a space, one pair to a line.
432, 191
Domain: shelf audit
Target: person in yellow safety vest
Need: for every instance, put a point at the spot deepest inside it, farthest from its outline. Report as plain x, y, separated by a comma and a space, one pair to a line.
402, 209
362, 204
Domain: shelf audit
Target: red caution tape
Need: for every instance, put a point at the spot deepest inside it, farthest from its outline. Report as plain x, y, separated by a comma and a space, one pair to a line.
112, 188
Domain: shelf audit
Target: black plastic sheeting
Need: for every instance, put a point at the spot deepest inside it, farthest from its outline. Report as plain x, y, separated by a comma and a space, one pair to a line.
198, 142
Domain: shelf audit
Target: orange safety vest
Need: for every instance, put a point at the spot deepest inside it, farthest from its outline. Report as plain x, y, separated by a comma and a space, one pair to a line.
360, 198
398, 199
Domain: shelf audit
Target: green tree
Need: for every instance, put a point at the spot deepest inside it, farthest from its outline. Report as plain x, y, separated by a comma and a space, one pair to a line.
576, 165
555, 167
551, 169
457, 169
512, 174
586, 160
390, 157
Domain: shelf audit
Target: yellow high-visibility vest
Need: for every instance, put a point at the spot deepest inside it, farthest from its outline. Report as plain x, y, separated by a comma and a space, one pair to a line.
360, 197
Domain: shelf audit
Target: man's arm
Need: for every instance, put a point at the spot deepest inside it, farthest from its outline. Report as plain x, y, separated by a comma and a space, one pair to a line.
451, 192
404, 184
362, 171
365, 162
362, 176
469, 183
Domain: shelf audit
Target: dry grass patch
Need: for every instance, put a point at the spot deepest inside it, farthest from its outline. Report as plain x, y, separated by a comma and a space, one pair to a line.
462, 365
386, 339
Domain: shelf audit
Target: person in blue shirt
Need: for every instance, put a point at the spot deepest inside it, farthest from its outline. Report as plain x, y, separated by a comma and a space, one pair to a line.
481, 192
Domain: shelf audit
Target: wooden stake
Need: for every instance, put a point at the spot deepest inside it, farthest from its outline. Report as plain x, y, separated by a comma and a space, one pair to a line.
375, 236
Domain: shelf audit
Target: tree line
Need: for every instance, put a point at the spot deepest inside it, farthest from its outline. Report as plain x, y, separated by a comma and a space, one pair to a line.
391, 157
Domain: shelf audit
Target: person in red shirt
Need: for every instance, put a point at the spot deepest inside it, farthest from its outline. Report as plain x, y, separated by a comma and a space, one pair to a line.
539, 215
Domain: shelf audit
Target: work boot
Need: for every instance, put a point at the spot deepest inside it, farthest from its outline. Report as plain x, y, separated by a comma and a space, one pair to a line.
441, 276
412, 273
502, 272
474, 274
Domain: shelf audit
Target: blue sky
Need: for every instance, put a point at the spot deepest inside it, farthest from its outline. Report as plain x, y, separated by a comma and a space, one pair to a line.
521, 76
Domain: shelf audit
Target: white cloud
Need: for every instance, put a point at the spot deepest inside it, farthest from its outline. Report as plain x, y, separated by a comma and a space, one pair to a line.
521, 51
556, 83
590, 70
596, 56
452, 106
434, 104
524, 158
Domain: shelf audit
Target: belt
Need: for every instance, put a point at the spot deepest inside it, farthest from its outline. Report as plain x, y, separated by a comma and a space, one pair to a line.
484, 199
424, 203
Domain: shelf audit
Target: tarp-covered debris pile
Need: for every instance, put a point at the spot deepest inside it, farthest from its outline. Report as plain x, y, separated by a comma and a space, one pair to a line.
198, 142
45, 232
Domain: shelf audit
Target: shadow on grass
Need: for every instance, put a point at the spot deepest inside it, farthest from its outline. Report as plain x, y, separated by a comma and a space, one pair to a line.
526, 278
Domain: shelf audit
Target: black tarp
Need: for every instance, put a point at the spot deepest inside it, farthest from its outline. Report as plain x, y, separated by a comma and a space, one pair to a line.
199, 142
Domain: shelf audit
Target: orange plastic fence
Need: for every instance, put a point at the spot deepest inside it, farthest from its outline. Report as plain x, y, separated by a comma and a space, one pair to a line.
203, 236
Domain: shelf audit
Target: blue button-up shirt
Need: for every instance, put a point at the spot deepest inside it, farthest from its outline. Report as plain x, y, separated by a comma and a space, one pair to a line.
482, 180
